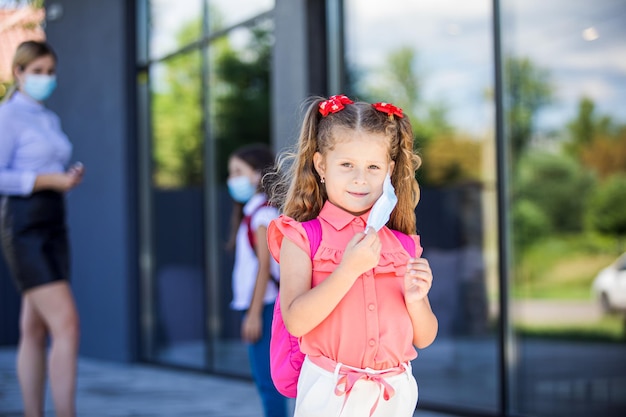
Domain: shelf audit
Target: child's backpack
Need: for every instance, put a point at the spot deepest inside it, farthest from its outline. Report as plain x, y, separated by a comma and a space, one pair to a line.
285, 355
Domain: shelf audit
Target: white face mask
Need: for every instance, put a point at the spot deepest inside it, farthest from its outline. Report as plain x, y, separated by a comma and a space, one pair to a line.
382, 208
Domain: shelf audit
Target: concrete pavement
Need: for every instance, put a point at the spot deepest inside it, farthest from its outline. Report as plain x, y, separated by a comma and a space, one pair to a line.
107, 389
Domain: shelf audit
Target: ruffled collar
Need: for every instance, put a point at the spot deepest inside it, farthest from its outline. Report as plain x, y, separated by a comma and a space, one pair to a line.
338, 217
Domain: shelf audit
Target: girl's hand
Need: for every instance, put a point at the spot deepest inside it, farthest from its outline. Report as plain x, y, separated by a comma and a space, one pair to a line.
251, 328
418, 279
362, 252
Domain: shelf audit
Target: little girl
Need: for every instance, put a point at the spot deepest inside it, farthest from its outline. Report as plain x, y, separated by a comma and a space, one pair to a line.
359, 304
255, 273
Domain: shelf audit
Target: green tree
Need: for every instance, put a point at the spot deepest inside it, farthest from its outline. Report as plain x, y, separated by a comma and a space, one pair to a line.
582, 128
238, 94
530, 224
607, 208
595, 141
606, 154
557, 186
452, 159
586, 126
401, 84
177, 117
242, 97
527, 89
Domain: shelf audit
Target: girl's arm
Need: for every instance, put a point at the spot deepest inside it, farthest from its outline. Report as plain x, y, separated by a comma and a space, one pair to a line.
303, 307
417, 282
252, 326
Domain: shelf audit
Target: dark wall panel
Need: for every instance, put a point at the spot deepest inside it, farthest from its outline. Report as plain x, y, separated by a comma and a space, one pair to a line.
94, 41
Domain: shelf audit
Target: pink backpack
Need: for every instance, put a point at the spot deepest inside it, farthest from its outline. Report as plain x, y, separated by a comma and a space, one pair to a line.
285, 355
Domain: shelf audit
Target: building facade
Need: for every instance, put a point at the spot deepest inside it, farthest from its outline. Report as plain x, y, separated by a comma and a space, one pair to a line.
518, 110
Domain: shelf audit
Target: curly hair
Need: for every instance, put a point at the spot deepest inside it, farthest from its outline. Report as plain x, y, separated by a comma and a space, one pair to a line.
295, 184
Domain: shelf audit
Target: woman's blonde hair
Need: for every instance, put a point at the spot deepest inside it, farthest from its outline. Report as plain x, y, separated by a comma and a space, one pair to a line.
25, 54
296, 187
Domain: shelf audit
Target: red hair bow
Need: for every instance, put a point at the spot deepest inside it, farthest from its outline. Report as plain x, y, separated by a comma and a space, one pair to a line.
334, 104
390, 109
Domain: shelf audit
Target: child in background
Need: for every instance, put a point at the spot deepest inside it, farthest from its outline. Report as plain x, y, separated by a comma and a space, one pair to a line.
359, 304
255, 273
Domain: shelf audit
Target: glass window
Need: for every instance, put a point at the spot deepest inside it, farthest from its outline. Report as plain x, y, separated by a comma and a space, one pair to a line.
177, 122
178, 210
565, 91
225, 13
434, 59
173, 25
238, 101
207, 96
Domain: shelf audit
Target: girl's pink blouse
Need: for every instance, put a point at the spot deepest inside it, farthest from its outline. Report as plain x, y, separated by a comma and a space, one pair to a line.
371, 326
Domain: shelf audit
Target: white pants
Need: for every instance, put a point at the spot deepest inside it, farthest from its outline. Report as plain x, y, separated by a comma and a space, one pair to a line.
317, 398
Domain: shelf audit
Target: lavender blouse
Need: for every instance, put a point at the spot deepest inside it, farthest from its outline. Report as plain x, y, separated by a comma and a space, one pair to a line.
31, 143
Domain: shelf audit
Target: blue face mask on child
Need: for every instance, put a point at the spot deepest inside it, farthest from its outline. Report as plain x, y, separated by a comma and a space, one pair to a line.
40, 86
382, 208
241, 188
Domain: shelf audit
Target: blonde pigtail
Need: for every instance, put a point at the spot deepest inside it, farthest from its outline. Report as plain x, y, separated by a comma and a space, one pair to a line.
305, 196
407, 188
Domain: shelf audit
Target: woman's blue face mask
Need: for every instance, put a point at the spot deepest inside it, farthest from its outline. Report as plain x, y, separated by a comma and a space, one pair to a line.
39, 86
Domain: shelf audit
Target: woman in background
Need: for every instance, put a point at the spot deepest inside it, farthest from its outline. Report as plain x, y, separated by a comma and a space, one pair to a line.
34, 153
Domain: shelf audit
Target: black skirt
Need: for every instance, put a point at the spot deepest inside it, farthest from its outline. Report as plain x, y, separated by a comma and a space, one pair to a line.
34, 238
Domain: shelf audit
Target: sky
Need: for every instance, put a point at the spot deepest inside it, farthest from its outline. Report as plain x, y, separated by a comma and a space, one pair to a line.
168, 16
581, 44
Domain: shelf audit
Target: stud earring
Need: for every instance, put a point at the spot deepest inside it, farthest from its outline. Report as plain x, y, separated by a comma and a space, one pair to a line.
322, 180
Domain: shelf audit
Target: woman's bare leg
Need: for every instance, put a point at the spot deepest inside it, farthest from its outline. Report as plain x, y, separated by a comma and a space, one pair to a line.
31, 360
55, 305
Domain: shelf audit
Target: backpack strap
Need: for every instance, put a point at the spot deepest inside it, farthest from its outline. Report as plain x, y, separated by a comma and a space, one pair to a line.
313, 229
247, 221
407, 242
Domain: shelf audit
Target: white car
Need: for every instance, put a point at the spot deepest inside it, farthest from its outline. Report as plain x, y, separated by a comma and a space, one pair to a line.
609, 286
